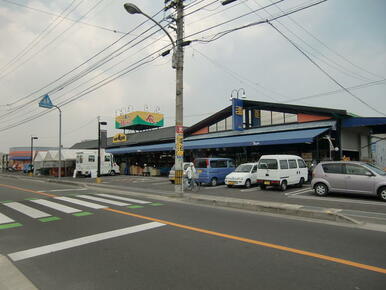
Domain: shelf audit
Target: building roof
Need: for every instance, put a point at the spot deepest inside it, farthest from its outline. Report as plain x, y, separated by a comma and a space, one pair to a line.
285, 108
145, 137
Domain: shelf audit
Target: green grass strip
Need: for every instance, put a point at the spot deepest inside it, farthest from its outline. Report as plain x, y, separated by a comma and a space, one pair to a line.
155, 204
83, 213
8, 226
49, 219
6, 201
135, 206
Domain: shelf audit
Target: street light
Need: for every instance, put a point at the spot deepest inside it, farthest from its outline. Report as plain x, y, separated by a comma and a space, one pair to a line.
98, 180
177, 63
243, 96
32, 148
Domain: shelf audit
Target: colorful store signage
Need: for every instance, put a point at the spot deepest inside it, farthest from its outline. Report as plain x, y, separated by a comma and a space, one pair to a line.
120, 137
139, 120
237, 114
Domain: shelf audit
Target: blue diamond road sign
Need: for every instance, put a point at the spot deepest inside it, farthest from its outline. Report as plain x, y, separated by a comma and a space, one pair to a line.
46, 102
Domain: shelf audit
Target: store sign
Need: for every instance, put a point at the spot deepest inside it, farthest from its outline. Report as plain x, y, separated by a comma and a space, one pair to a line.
139, 118
179, 145
120, 137
256, 118
237, 114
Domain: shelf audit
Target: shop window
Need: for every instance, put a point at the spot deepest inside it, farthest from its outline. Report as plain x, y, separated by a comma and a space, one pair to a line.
221, 125
91, 158
228, 123
213, 128
277, 118
290, 118
292, 164
265, 118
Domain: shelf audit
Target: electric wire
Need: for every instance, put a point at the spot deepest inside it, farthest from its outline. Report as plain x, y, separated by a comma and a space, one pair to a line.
326, 73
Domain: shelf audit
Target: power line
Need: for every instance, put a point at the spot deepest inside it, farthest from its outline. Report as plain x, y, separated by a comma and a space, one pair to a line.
325, 72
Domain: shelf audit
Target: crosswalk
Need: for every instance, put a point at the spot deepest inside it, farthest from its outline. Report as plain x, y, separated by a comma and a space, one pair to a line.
74, 205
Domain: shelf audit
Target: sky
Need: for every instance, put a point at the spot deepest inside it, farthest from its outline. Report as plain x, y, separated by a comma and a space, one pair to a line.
70, 48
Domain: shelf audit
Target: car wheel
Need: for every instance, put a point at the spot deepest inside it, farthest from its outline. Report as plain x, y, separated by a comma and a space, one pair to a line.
382, 193
247, 183
112, 172
301, 182
213, 181
283, 185
229, 185
321, 189
172, 181
263, 187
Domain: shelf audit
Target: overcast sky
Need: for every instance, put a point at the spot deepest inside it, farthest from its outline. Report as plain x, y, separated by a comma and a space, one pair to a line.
346, 38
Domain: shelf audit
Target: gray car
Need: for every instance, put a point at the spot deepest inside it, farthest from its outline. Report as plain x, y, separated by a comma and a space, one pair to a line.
349, 177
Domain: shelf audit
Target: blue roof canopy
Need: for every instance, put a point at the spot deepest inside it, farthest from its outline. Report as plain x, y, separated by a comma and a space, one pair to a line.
362, 122
276, 138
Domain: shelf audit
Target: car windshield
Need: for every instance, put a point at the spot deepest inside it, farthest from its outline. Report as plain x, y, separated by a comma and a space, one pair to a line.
375, 169
268, 164
243, 168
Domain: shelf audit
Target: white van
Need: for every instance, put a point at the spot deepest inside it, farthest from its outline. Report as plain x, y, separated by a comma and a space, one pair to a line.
244, 175
281, 171
87, 162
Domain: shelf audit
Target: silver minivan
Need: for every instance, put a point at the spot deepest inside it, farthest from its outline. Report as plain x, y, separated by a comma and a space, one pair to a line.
349, 177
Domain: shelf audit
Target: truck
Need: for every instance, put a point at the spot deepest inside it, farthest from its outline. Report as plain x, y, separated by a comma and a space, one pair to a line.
87, 162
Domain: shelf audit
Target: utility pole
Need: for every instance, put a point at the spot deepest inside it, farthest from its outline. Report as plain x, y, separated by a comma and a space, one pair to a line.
179, 58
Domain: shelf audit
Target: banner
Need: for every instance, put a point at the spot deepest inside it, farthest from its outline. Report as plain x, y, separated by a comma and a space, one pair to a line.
237, 114
103, 138
139, 119
256, 118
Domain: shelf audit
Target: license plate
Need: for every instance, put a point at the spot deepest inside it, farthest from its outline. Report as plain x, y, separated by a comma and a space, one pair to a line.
267, 182
231, 182
199, 170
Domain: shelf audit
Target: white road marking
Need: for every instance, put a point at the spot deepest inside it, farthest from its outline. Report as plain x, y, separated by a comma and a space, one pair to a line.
113, 202
57, 206
300, 191
34, 252
5, 220
81, 202
339, 200
29, 211
123, 198
73, 189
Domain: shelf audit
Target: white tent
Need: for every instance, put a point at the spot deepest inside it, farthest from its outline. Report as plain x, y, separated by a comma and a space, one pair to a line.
50, 156
39, 157
66, 154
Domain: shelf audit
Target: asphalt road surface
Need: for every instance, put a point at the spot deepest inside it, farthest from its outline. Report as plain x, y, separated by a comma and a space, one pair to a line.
67, 237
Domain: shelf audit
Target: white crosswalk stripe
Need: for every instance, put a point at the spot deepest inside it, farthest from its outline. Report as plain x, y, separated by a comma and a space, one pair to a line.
113, 202
56, 206
81, 202
29, 211
5, 220
123, 198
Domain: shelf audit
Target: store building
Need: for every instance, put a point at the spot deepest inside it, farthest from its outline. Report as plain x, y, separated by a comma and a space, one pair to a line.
19, 156
248, 129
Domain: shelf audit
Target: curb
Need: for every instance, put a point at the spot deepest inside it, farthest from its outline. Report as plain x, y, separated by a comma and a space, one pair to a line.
11, 278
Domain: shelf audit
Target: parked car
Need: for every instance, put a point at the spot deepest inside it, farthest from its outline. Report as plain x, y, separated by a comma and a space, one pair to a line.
244, 175
349, 177
28, 168
213, 170
172, 172
281, 171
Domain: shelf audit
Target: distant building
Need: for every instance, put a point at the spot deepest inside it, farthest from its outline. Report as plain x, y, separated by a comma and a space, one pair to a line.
18, 156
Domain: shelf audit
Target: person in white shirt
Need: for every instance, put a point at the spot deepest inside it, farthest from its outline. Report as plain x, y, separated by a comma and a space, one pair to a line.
190, 173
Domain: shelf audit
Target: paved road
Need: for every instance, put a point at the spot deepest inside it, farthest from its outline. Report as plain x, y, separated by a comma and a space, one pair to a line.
61, 242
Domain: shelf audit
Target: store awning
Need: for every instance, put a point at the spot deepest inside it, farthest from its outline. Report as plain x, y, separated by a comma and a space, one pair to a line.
276, 138
377, 124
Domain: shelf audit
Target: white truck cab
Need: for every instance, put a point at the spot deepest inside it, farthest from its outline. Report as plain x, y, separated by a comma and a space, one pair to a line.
87, 162
281, 171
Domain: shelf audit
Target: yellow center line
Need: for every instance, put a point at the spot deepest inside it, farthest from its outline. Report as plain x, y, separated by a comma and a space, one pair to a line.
255, 242
27, 190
